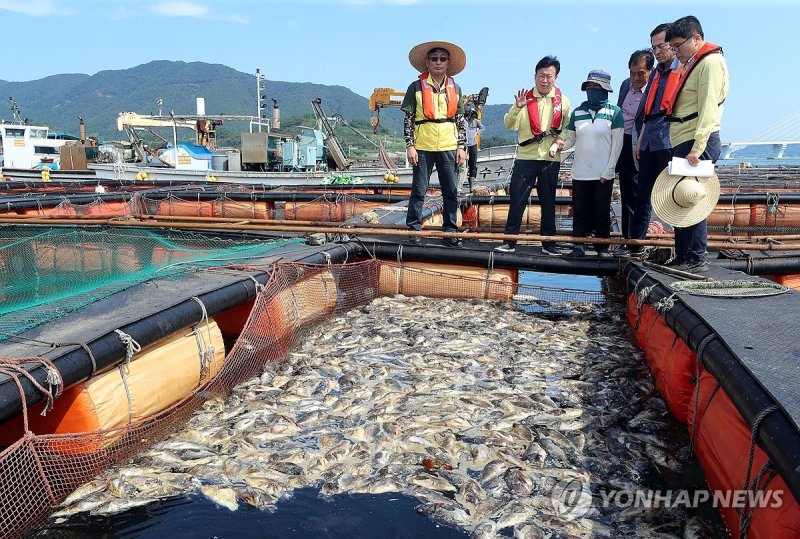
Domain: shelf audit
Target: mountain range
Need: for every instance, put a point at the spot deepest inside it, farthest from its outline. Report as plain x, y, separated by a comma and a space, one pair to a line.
59, 100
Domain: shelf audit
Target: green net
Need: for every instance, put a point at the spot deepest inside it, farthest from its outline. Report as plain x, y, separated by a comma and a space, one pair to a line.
48, 272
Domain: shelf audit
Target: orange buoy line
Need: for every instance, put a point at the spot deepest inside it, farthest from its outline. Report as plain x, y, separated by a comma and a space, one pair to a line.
214, 223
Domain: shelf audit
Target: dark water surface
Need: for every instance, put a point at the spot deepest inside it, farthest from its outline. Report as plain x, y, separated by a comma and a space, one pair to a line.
305, 515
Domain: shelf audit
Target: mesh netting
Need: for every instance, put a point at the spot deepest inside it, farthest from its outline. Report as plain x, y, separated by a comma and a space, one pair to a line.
731, 288
46, 273
40, 470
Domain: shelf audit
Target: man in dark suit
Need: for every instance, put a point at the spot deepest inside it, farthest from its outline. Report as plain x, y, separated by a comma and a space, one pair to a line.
630, 101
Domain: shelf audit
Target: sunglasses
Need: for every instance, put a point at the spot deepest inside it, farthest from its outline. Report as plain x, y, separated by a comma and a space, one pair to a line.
441, 59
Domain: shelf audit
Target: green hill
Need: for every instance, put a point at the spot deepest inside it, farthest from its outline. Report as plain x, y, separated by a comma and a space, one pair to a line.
59, 100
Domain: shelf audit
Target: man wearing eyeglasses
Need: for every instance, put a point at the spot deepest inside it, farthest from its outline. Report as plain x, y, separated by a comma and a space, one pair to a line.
653, 149
434, 131
539, 115
694, 109
631, 92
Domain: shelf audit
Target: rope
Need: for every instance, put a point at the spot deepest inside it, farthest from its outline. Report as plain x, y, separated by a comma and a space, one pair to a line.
490, 270
131, 347
753, 436
12, 367
205, 351
123, 374
665, 304
745, 515
701, 348
641, 298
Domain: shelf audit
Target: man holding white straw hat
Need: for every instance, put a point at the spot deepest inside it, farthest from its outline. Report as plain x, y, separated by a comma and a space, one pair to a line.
434, 130
693, 107
683, 202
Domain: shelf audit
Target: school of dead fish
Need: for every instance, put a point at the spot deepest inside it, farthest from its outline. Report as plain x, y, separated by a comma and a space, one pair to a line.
476, 409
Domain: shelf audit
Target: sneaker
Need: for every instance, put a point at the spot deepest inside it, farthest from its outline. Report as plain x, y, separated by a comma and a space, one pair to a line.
606, 254
415, 240
550, 250
639, 252
453, 242
694, 266
621, 250
577, 252
505, 248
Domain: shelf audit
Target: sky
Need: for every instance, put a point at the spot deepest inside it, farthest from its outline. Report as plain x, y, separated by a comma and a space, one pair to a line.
364, 44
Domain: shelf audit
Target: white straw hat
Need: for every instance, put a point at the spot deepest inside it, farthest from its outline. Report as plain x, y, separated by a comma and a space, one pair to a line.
684, 200
419, 54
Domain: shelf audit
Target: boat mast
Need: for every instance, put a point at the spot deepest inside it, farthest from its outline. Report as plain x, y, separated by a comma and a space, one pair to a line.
260, 98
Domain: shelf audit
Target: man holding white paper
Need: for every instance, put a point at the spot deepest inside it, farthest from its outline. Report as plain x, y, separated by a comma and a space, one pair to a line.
694, 109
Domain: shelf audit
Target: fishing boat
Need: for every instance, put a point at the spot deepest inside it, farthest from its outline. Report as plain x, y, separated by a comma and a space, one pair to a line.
25, 146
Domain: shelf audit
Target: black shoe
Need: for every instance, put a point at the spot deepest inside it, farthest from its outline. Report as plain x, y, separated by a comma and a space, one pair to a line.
550, 250
577, 252
414, 240
453, 242
505, 248
694, 266
639, 252
621, 250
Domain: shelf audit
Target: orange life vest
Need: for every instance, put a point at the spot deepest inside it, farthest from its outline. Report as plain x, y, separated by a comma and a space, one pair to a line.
533, 113
673, 79
428, 108
669, 99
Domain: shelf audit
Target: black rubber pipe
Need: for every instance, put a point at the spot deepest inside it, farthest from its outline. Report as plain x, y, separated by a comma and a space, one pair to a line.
588, 265
778, 435
108, 350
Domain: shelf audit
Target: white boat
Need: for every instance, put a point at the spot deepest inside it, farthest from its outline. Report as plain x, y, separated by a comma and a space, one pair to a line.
25, 146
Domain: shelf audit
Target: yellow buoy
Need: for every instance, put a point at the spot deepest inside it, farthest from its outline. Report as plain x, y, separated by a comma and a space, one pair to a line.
212, 178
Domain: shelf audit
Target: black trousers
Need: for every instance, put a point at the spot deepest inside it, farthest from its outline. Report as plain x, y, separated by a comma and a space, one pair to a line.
525, 174
628, 179
651, 163
472, 163
691, 242
446, 166
591, 207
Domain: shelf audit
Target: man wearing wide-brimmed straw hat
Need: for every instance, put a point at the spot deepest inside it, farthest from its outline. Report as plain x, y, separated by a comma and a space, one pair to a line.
694, 109
434, 130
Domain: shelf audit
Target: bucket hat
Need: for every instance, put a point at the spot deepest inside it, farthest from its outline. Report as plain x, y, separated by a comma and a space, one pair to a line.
419, 54
603, 78
684, 200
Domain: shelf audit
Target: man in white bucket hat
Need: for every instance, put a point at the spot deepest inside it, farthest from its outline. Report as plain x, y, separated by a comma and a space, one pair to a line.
434, 130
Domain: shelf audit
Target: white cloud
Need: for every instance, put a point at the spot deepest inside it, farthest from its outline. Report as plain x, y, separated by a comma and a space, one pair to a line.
33, 8
180, 9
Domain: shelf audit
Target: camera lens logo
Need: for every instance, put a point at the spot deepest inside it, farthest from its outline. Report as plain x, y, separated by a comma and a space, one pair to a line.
571, 499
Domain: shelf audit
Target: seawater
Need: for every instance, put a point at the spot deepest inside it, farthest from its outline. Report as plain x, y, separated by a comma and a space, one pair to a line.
304, 515
759, 162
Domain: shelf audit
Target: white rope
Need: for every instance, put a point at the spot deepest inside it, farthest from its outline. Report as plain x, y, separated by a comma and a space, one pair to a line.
665, 304
205, 350
131, 347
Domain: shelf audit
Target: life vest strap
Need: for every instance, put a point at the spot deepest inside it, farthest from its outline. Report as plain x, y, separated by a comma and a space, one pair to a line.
538, 138
436, 121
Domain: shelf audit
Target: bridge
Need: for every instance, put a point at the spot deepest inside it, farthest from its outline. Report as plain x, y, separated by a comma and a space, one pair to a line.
779, 136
